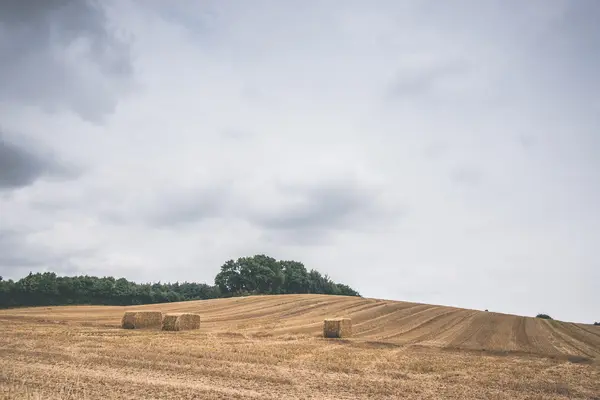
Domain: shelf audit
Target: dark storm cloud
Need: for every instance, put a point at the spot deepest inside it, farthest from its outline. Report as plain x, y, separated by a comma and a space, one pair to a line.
21, 166
60, 54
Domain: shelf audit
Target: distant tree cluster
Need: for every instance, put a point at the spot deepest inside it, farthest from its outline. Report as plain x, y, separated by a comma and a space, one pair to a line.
259, 274
49, 289
265, 275
596, 323
543, 316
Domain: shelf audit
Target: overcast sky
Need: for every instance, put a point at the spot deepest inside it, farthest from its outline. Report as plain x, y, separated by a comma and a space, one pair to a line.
439, 152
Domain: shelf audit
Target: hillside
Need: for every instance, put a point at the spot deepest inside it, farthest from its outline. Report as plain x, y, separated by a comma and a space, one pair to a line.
374, 321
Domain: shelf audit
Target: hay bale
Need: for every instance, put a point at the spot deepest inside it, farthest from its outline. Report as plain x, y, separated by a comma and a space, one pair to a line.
169, 322
181, 322
141, 319
188, 322
128, 320
337, 328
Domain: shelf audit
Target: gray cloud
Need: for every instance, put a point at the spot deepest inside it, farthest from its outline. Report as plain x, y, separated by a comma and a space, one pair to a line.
421, 80
171, 206
18, 256
237, 134
467, 175
61, 54
183, 207
435, 150
312, 212
21, 165
14, 252
527, 142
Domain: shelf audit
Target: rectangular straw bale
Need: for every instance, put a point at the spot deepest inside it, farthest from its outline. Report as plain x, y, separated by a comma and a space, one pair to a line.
188, 322
141, 319
128, 320
170, 322
337, 328
181, 322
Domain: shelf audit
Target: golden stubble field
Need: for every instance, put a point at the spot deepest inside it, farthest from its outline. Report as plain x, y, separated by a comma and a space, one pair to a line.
268, 347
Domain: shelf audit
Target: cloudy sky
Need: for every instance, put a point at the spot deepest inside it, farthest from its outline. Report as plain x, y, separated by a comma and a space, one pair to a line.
439, 152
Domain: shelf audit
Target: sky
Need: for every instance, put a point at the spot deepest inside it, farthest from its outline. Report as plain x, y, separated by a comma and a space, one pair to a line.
437, 152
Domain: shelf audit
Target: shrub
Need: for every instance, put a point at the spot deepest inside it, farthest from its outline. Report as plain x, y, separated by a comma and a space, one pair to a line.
543, 316
597, 323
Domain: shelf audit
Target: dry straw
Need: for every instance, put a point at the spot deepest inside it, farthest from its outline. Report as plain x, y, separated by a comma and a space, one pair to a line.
337, 328
141, 319
181, 322
169, 321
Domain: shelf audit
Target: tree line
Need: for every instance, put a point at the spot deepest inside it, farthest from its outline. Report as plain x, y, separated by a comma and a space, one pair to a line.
259, 274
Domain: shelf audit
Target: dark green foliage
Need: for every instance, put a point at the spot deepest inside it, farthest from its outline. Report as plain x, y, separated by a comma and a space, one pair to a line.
296, 278
259, 274
49, 289
543, 316
596, 323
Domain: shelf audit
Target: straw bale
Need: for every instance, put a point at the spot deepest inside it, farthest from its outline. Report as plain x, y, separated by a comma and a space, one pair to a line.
337, 328
141, 319
188, 322
128, 321
169, 322
181, 322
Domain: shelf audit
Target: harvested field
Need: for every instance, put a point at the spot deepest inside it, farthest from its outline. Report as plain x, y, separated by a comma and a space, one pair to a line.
267, 347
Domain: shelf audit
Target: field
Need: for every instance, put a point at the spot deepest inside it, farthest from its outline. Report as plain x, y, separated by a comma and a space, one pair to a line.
269, 347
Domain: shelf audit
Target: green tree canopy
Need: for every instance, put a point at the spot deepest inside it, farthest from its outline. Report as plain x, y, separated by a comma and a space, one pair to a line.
259, 274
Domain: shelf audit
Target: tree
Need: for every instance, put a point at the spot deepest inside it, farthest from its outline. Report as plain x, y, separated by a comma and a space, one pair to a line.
256, 276
259, 274
296, 279
229, 280
322, 284
276, 277
346, 290
543, 316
